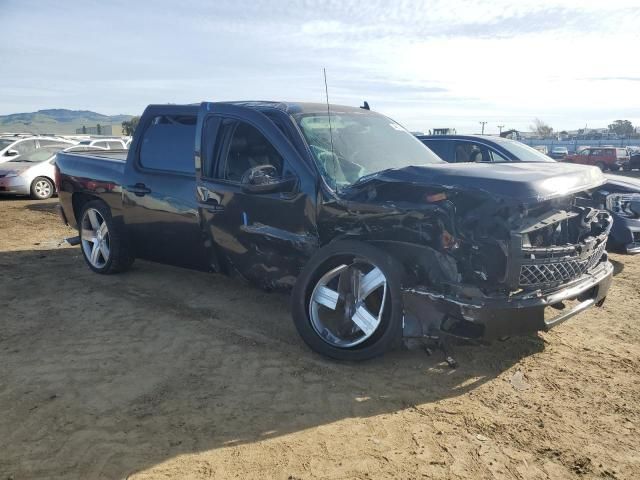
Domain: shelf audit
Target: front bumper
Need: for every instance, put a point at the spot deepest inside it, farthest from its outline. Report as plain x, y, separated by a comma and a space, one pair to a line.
14, 185
428, 313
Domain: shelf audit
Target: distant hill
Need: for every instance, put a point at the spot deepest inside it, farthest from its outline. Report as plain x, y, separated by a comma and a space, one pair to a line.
56, 120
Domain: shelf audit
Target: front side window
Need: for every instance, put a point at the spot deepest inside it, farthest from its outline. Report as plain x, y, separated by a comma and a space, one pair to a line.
246, 148
471, 152
25, 147
168, 144
497, 157
40, 155
348, 146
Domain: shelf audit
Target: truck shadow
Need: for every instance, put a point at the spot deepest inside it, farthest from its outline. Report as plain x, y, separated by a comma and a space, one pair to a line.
111, 375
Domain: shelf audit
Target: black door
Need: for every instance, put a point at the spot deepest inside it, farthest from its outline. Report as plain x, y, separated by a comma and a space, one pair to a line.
159, 198
264, 232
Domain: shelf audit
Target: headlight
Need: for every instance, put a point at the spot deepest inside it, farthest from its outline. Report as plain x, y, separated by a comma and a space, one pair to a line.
11, 174
624, 204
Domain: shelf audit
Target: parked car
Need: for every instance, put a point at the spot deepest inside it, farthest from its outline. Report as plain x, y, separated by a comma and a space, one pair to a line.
634, 158
32, 173
481, 148
621, 196
21, 145
605, 158
615, 195
106, 143
542, 149
559, 153
377, 237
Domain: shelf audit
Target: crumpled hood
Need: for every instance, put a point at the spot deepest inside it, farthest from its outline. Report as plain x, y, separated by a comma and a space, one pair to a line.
526, 182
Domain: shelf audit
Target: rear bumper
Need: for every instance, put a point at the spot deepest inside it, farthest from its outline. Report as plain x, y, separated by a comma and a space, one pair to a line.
429, 313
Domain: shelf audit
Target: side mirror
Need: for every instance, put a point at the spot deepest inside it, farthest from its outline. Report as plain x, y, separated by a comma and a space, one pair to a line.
11, 153
265, 179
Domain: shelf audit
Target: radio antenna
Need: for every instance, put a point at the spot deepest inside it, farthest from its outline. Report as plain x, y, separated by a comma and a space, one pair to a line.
333, 156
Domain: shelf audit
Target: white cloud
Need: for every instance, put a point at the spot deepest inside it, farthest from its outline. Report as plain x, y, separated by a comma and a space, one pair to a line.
428, 64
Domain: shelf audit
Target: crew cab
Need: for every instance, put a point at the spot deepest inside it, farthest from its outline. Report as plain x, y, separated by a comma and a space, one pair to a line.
605, 158
376, 237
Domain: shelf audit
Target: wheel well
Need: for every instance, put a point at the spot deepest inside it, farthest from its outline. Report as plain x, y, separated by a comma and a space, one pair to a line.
48, 178
78, 200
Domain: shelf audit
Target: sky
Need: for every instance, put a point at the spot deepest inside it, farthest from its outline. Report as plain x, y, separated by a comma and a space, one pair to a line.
430, 64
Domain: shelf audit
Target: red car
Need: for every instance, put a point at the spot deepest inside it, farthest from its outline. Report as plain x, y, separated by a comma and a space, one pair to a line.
606, 158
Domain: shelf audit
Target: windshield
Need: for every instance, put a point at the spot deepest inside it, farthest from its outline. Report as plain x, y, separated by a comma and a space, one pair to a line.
525, 153
363, 143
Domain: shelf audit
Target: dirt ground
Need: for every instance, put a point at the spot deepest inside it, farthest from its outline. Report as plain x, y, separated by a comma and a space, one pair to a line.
168, 373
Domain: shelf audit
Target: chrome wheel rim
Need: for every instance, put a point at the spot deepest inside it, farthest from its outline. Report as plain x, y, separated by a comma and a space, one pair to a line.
42, 188
347, 304
96, 241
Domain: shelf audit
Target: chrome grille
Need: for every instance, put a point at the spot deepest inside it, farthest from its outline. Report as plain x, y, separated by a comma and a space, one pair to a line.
547, 273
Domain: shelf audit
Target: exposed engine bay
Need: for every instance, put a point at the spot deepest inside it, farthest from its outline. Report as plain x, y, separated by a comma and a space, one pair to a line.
471, 252
494, 244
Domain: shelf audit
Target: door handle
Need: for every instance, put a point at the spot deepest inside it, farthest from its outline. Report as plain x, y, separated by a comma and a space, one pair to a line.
213, 206
139, 189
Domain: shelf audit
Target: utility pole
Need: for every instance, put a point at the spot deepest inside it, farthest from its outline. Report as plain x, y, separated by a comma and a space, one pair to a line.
500, 127
483, 124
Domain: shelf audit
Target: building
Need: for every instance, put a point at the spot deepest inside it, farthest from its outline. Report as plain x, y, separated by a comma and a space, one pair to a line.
443, 131
112, 130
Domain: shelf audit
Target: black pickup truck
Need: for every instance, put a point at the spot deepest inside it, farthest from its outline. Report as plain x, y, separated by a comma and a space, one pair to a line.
376, 236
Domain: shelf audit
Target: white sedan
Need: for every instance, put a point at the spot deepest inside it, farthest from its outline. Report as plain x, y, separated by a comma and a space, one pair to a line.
33, 173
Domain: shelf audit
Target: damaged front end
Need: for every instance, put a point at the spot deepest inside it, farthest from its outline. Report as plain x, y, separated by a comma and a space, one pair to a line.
481, 265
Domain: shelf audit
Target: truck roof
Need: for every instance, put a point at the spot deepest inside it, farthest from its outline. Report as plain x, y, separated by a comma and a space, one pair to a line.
290, 108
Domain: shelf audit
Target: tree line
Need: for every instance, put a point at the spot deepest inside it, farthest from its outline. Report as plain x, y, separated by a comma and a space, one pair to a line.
620, 128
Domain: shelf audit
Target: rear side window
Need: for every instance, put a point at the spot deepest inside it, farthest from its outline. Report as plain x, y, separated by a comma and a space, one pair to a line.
168, 144
439, 147
621, 153
115, 145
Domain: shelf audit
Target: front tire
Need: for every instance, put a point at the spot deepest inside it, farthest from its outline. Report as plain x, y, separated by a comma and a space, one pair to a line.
601, 166
102, 241
42, 188
347, 301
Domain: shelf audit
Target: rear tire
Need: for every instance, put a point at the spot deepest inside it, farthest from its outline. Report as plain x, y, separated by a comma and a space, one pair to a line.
102, 241
346, 336
41, 188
